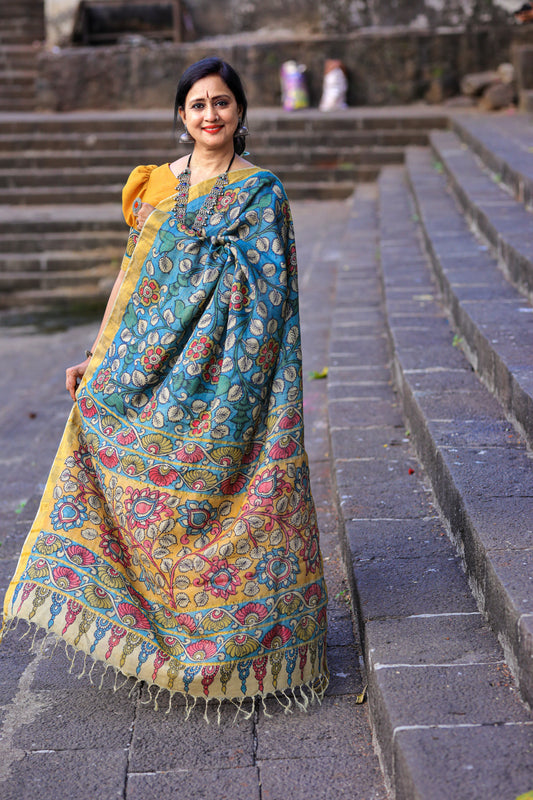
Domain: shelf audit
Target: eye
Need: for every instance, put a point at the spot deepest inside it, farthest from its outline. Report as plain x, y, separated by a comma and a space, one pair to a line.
196, 106
222, 103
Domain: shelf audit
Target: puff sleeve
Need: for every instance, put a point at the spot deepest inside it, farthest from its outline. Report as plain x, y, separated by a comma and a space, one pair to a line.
135, 187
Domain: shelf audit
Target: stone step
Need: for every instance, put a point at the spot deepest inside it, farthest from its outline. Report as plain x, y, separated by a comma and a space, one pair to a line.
83, 301
493, 212
165, 139
261, 120
13, 264
505, 146
478, 465
45, 163
445, 712
61, 220
493, 320
83, 277
23, 242
310, 181
85, 172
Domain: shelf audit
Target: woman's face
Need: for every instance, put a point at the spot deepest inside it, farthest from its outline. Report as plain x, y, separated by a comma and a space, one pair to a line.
211, 113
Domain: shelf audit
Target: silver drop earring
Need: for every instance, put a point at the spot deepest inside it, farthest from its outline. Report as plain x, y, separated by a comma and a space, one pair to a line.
186, 137
242, 130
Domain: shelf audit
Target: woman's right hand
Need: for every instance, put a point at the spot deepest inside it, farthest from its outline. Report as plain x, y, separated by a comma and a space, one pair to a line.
74, 376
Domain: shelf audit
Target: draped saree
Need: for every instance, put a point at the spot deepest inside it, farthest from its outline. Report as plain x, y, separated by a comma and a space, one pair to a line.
176, 540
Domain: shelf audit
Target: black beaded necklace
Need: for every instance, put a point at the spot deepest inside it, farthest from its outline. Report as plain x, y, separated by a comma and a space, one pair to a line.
182, 197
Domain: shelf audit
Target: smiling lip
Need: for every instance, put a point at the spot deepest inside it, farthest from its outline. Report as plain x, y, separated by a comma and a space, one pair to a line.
213, 128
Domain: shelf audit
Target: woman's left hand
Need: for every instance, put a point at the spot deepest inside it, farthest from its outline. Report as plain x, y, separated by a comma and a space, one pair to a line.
74, 376
144, 213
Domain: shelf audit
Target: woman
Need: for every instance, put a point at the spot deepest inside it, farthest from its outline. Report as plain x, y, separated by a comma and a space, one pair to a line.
176, 540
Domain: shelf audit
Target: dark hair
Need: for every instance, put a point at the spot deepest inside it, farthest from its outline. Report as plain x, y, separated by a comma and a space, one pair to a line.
212, 66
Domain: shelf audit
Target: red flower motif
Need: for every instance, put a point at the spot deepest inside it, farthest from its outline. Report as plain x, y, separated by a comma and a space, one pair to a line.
212, 370
221, 579
239, 296
266, 486
149, 291
283, 448
202, 424
190, 453
233, 484
290, 420
88, 407
198, 348
313, 595
276, 637
292, 259
146, 506
252, 454
83, 458
126, 437
132, 616
112, 548
162, 475
268, 354
148, 410
80, 555
101, 379
65, 578
225, 200
201, 650
108, 456
153, 357
251, 613
186, 621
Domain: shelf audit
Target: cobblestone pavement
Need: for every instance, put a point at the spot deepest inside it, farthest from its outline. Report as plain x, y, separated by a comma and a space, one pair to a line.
65, 738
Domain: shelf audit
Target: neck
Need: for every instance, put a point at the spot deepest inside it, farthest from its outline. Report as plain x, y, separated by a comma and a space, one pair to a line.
208, 163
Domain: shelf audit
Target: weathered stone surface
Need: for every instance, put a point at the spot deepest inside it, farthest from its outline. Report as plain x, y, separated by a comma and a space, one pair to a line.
483, 760
145, 75
187, 781
68, 774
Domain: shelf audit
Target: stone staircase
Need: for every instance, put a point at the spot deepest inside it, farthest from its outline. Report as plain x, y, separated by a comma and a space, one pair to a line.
61, 177
21, 33
455, 243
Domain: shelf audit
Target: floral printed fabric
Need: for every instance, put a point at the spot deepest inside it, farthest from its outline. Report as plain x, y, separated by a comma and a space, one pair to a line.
177, 539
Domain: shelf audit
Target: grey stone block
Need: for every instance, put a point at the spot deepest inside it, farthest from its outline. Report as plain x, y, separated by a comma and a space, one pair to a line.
311, 735
434, 585
442, 639
471, 763
194, 784
67, 775
59, 725
159, 740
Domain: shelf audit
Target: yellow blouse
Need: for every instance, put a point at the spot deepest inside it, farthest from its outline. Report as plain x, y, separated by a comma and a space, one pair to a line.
151, 184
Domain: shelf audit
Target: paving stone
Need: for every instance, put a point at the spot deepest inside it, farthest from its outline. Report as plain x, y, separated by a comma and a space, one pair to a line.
195, 784
350, 413
68, 774
441, 639
472, 763
434, 585
159, 740
327, 777
376, 540
58, 726
283, 736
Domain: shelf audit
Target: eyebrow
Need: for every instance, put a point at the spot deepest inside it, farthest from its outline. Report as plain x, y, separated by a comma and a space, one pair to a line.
216, 97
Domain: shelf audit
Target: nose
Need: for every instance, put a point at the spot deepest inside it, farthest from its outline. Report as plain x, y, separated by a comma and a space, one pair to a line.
211, 112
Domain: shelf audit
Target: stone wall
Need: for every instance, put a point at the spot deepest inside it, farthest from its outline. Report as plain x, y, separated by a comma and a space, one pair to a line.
384, 67
208, 18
